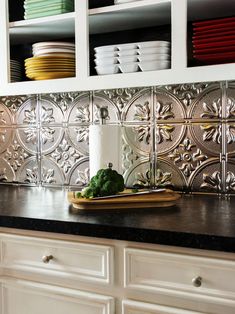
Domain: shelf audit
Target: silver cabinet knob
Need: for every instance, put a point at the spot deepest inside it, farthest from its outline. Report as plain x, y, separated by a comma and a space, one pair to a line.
197, 281
46, 258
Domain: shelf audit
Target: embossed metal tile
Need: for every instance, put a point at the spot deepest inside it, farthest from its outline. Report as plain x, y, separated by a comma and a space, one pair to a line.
80, 110
185, 150
177, 136
167, 106
138, 138
229, 138
17, 150
230, 101
139, 109
60, 157
100, 100
139, 173
136, 150
191, 101
120, 97
230, 176
12, 104
208, 104
27, 114
70, 108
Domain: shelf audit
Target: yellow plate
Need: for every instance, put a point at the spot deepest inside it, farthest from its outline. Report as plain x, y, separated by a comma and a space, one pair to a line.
48, 58
51, 69
51, 75
48, 63
36, 73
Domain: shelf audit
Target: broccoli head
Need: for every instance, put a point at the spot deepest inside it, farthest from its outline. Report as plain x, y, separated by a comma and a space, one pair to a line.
105, 182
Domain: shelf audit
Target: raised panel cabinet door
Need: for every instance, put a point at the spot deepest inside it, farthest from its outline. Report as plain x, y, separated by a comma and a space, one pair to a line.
24, 297
56, 259
135, 307
178, 274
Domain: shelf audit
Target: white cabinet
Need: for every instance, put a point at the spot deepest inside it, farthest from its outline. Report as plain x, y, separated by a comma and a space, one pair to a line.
204, 280
135, 307
27, 297
128, 22
35, 272
71, 274
179, 274
57, 260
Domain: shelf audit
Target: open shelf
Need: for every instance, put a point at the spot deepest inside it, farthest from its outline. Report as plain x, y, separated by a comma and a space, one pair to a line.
137, 21
128, 16
204, 49
45, 28
208, 9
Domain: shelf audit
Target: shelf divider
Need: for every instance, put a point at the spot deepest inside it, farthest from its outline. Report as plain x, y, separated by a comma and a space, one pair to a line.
82, 39
179, 34
5, 46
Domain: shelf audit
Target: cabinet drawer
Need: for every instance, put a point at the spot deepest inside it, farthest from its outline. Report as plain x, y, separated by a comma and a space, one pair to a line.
179, 274
135, 307
69, 260
21, 297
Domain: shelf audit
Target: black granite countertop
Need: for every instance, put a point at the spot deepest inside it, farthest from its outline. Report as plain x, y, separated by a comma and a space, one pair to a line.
199, 221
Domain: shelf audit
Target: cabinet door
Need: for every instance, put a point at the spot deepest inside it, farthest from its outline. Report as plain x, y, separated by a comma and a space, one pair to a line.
70, 261
134, 307
24, 297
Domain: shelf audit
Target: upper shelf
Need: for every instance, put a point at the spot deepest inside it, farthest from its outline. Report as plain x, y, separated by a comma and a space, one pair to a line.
128, 16
207, 9
44, 28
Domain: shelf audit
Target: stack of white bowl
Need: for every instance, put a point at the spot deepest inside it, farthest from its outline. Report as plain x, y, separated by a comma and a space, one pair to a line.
132, 57
154, 55
16, 71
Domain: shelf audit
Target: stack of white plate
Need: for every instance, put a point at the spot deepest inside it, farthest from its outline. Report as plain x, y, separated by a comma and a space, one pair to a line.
49, 48
16, 71
133, 57
51, 60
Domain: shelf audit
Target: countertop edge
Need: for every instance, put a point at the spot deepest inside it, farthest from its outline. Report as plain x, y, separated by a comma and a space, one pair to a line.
161, 237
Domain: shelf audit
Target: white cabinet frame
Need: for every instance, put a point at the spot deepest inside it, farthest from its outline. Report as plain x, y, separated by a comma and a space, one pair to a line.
179, 72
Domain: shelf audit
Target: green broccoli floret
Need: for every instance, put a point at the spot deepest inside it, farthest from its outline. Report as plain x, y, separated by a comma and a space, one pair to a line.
105, 182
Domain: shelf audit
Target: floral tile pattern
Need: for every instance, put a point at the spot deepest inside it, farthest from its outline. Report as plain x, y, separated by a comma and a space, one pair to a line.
178, 136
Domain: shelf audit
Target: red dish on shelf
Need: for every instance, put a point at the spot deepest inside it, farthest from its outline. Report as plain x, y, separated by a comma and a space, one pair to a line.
211, 40
214, 34
214, 50
214, 21
212, 31
228, 25
227, 43
217, 57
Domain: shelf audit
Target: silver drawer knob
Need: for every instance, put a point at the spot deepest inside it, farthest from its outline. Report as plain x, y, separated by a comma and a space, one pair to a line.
46, 258
197, 281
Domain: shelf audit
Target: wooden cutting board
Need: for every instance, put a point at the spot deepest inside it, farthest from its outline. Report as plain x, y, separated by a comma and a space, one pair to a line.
162, 199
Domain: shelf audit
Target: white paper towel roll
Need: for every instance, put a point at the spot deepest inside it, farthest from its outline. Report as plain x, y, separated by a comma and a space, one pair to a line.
104, 147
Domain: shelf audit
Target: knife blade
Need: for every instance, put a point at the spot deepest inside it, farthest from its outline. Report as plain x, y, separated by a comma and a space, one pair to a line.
129, 194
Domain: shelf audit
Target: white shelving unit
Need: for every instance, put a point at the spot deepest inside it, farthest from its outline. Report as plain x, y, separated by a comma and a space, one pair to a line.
44, 28
139, 14
84, 23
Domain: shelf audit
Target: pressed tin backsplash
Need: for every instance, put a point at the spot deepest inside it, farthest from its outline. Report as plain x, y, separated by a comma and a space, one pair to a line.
179, 136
